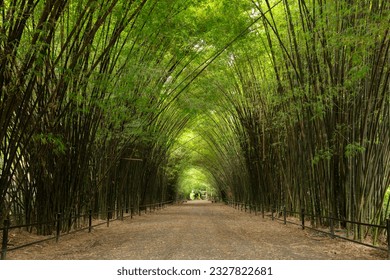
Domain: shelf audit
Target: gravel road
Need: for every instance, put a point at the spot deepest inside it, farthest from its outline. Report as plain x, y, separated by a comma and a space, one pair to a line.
196, 231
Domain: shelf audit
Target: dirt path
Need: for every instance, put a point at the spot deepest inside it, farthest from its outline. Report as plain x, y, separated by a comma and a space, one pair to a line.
195, 231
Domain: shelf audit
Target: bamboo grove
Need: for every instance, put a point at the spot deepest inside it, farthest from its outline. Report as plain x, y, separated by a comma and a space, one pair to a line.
83, 118
307, 100
287, 102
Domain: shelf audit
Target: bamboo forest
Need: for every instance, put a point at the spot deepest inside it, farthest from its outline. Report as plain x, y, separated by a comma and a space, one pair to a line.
113, 104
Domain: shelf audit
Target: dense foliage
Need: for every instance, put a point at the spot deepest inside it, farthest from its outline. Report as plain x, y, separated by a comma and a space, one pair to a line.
111, 103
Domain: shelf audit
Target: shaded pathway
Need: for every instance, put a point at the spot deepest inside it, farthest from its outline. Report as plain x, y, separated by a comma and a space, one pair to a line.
197, 230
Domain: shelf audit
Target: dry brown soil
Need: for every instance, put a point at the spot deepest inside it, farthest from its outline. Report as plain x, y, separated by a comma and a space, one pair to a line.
196, 231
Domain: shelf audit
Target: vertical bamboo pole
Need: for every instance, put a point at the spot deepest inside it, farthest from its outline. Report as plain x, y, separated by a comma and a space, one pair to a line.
90, 220
388, 238
5, 239
58, 227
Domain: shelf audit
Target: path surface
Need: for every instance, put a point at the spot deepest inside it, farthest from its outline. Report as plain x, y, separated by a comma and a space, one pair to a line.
195, 231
